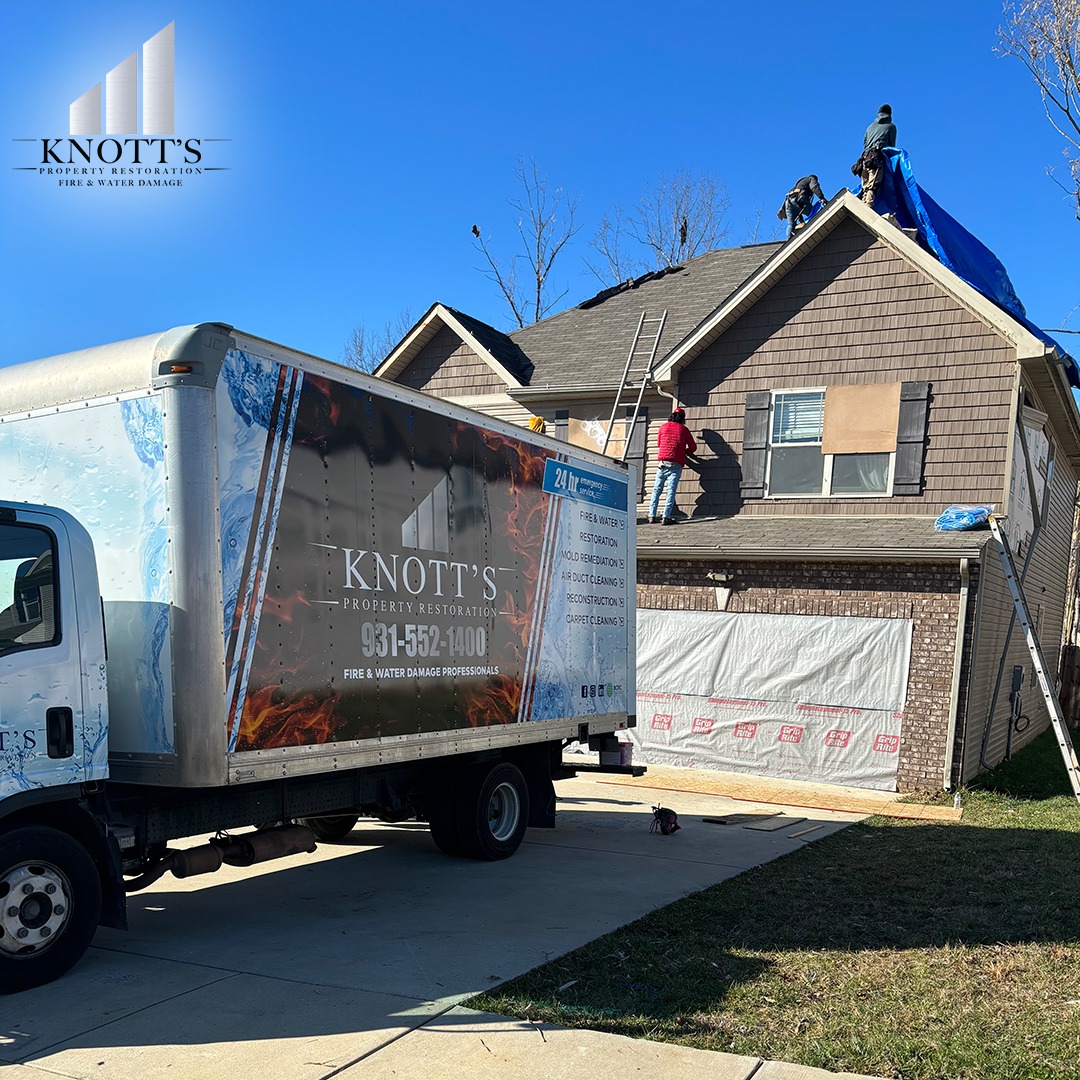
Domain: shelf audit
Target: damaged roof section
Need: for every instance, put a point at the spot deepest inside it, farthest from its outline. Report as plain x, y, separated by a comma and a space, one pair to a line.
589, 343
494, 347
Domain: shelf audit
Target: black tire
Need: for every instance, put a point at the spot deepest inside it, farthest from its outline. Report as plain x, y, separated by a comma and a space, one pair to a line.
492, 806
42, 937
331, 828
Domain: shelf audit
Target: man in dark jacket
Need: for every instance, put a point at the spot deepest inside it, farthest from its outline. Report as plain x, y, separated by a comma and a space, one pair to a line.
882, 132
798, 202
673, 443
869, 167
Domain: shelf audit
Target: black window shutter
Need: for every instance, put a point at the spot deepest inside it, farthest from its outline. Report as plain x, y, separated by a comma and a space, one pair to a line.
635, 446
911, 438
562, 424
755, 445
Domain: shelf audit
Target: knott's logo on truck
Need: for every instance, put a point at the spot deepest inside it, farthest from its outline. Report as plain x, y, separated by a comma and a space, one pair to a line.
427, 528
371, 571
130, 155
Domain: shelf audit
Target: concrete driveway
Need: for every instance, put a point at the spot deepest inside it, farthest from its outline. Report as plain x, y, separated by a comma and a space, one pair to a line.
318, 965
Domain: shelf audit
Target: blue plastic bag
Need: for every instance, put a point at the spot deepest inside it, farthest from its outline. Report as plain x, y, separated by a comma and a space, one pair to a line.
963, 517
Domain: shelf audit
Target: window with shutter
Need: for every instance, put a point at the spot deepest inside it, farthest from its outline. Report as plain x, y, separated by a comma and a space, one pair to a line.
851, 442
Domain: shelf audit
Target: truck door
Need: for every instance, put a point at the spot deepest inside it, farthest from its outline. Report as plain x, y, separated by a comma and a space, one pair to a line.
40, 683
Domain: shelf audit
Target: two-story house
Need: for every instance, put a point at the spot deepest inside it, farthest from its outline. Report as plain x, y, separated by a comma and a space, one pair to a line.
803, 618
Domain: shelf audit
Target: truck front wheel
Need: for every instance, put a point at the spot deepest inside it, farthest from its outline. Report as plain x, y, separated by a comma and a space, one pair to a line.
492, 811
50, 900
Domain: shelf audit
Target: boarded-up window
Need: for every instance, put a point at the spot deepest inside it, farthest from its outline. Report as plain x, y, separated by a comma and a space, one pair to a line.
861, 419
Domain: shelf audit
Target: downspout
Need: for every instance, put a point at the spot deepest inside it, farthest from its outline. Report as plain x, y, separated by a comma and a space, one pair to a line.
954, 694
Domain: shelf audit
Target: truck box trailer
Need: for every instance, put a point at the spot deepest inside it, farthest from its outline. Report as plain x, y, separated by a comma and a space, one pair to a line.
241, 586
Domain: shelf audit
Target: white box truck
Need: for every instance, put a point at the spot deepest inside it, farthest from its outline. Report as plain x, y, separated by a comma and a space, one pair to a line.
241, 586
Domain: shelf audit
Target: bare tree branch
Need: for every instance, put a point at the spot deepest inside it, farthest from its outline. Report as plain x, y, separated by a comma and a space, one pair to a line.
505, 278
365, 350
761, 228
683, 216
609, 243
1044, 35
545, 222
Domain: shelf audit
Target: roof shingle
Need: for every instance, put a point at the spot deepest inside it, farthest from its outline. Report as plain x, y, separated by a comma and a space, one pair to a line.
589, 343
820, 536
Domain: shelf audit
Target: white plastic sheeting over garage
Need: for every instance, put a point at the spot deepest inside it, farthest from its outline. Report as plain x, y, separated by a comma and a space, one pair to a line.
803, 697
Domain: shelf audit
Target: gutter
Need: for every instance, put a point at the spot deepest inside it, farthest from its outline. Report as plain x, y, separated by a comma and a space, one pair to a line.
954, 693
556, 393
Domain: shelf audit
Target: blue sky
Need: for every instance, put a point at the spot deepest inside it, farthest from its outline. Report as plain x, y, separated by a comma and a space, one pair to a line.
367, 138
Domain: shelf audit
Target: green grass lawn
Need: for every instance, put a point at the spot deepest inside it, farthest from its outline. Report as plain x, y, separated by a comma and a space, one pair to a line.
901, 949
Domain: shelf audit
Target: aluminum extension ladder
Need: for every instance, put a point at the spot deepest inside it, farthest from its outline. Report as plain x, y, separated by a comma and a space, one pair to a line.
1053, 706
643, 351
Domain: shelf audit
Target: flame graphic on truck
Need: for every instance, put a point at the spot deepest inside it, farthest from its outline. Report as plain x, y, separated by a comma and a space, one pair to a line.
349, 448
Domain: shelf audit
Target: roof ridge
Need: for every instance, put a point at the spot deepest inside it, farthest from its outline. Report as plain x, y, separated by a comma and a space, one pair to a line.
644, 279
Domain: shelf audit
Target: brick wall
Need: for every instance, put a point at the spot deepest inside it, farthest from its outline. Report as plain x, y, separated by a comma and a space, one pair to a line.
926, 594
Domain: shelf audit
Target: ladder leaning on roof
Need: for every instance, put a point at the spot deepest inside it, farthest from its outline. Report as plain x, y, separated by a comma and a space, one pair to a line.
1068, 752
637, 375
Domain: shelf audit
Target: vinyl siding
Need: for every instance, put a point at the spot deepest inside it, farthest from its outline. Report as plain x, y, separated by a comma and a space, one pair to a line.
855, 312
446, 367
1044, 589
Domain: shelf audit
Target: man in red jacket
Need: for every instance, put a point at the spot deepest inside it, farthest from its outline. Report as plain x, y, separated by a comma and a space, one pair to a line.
673, 443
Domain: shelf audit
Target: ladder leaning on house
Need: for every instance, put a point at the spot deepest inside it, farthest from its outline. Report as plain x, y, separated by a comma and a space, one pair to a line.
1065, 744
637, 374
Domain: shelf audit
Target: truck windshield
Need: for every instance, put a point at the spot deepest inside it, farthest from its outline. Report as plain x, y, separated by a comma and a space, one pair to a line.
27, 588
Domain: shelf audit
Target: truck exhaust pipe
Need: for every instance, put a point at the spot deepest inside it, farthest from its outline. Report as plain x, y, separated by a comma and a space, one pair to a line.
245, 850
264, 845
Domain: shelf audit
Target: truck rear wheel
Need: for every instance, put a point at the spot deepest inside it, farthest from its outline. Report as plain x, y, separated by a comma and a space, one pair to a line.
50, 901
331, 827
492, 811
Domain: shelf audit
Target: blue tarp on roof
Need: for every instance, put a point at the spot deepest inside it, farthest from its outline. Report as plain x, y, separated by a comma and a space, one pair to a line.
964, 254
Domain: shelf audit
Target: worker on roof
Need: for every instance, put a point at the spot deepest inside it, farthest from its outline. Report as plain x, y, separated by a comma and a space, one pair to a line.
673, 443
799, 205
870, 166
882, 132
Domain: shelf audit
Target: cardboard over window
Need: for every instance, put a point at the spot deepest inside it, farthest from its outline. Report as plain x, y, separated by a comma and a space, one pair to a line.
861, 419
589, 434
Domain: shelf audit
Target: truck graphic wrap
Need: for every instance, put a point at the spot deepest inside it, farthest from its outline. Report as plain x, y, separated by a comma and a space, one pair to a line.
385, 568
102, 462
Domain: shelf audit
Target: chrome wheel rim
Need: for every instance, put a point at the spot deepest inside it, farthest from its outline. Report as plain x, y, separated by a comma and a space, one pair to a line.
504, 811
35, 907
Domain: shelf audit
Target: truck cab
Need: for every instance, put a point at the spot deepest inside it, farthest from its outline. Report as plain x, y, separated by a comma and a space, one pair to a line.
53, 702
53, 731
